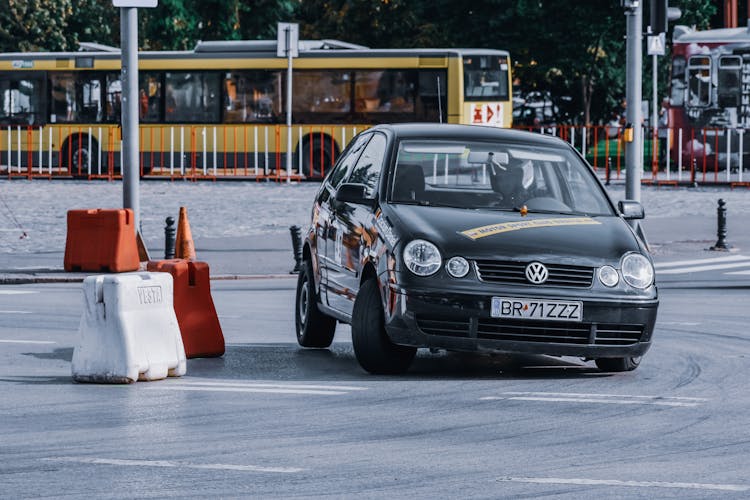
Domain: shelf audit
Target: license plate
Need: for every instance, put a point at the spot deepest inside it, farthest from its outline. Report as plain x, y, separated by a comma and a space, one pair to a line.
517, 308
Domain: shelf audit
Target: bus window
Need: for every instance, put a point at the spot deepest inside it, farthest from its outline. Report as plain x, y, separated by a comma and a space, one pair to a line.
20, 100
149, 97
677, 94
113, 106
321, 92
432, 82
89, 91
251, 96
384, 91
396, 91
729, 91
192, 97
64, 108
485, 78
699, 84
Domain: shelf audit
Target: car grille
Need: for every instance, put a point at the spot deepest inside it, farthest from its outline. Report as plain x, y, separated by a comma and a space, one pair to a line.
615, 334
446, 327
510, 272
558, 332
550, 332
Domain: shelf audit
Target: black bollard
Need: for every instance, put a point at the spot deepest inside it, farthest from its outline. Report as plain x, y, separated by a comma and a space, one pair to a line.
609, 170
296, 248
692, 173
170, 233
721, 230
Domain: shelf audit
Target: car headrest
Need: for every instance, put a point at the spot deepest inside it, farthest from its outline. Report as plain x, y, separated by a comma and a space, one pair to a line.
408, 185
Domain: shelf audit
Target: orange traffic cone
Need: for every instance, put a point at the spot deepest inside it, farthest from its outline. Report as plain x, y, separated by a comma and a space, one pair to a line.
184, 247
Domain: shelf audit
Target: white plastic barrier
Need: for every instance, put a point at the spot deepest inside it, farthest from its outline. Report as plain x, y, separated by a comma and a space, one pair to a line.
128, 330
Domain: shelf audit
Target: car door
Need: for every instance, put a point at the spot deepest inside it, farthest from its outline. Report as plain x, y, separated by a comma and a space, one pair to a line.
350, 222
325, 225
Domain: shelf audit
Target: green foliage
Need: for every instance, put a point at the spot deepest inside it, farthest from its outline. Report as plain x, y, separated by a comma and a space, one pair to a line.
32, 25
93, 21
574, 49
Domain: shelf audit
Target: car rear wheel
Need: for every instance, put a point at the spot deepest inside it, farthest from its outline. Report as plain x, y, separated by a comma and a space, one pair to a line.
618, 364
314, 329
374, 350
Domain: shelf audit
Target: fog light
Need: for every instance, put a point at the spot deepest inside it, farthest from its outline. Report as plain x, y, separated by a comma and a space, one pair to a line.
608, 276
458, 267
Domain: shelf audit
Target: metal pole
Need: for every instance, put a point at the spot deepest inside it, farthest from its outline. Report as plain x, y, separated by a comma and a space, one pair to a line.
655, 113
130, 167
289, 105
634, 149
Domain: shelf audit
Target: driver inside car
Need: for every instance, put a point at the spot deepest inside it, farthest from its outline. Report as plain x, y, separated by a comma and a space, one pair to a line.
513, 182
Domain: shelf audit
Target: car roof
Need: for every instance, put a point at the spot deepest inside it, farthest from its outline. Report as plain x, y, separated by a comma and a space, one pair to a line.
466, 132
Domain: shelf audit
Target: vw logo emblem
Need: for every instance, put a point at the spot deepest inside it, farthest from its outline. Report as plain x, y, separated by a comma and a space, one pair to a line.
536, 273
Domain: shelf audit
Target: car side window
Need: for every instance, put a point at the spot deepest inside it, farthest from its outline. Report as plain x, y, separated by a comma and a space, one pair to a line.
370, 164
345, 164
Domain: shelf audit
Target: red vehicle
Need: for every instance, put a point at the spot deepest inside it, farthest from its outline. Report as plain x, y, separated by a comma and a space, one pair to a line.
710, 98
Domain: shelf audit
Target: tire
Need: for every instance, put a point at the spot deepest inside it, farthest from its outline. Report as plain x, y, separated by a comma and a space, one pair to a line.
618, 364
314, 169
314, 329
374, 350
79, 147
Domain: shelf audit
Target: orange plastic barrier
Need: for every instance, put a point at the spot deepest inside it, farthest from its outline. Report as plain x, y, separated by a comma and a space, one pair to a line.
194, 307
101, 240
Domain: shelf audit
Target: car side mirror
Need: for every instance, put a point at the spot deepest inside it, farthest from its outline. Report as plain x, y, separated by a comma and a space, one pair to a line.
631, 209
354, 193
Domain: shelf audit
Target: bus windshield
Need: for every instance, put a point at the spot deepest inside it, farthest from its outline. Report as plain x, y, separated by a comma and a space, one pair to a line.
485, 78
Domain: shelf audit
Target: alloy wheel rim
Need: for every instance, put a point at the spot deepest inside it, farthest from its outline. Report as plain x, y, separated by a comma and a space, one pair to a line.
304, 302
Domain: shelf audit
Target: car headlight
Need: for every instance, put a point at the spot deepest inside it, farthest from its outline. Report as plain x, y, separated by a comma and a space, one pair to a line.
422, 257
637, 270
608, 276
458, 267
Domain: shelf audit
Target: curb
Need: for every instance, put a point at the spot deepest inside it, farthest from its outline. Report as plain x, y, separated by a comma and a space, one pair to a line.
26, 279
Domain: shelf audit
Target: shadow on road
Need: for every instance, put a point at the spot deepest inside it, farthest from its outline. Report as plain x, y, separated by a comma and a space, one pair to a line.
290, 362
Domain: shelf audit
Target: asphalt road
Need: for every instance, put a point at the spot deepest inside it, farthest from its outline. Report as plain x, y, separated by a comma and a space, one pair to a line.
270, 419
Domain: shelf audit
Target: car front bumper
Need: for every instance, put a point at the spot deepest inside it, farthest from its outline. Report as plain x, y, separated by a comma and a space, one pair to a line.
620, 327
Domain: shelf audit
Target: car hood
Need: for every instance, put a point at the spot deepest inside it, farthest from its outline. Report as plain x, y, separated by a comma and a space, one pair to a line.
478, 234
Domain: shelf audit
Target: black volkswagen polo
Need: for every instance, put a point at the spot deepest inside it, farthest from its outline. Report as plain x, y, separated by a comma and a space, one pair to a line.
473, 239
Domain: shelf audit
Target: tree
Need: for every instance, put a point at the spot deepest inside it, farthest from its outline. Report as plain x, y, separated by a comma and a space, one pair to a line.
382, 23
33, 25
93, 21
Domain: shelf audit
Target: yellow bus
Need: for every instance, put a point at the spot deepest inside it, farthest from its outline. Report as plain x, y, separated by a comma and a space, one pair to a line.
220, 109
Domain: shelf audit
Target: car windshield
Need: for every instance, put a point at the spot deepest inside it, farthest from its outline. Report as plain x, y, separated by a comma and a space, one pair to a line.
495, 176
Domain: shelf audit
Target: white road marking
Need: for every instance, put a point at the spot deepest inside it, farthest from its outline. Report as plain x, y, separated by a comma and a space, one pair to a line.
8, 341
586, 395
169, 463
243, 389
612, 399
678, 323
632, 484
229, 383
267, 388
17, 292
14, 312
739, 272
697, 269
677, 263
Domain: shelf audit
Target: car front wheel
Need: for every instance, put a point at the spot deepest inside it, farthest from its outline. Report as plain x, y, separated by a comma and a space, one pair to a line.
374, 350
314, 329
618, 364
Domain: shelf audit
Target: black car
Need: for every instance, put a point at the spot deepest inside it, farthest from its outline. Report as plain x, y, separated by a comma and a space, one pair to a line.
473, 239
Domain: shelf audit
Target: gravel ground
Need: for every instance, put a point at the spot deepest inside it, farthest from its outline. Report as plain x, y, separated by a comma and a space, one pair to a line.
240, 209
215, 210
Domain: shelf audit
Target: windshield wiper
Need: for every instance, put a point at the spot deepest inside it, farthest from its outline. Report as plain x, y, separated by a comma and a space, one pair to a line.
421, 203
